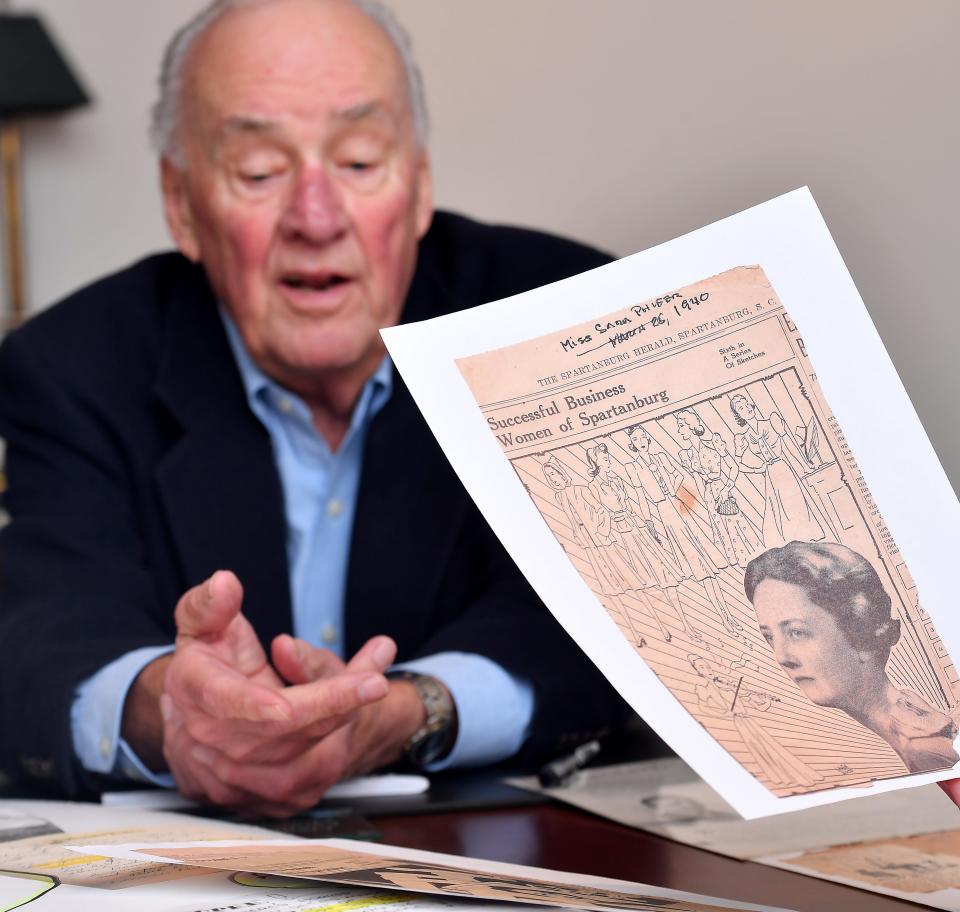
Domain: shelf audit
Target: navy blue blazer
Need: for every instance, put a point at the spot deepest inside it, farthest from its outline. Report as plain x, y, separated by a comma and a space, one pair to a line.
136, 469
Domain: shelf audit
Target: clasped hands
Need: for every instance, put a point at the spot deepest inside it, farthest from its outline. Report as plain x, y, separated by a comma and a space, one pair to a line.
268, 738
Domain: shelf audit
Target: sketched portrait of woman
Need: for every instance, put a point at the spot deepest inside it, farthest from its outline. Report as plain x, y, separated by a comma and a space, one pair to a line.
826, 615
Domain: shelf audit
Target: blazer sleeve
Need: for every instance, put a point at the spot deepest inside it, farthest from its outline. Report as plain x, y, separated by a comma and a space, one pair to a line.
71, 561
505, 620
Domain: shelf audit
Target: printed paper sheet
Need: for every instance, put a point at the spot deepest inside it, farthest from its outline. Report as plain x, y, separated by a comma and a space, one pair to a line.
434, 873
701, 510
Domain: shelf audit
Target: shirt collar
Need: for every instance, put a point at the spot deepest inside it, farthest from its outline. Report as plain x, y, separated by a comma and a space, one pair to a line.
261, 389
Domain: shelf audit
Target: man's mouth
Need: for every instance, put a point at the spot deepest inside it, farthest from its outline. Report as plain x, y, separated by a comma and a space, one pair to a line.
322, 281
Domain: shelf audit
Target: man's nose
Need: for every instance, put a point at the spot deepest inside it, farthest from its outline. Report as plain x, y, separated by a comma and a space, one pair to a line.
315, 211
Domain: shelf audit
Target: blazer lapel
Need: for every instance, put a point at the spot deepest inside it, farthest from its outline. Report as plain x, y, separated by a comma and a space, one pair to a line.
218, 483
399, 532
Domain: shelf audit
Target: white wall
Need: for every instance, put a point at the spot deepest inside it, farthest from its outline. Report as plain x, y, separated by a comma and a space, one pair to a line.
621, 122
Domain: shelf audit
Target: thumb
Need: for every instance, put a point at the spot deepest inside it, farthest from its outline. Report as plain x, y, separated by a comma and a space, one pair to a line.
206, 610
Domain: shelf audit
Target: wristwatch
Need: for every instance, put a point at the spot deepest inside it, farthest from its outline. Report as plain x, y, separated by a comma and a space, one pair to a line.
434, 739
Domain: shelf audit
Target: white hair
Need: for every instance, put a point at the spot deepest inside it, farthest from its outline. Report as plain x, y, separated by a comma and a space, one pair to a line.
167, 112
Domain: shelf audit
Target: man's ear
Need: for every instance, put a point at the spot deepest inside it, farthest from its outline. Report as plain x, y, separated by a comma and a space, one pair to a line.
424, 213
177, 209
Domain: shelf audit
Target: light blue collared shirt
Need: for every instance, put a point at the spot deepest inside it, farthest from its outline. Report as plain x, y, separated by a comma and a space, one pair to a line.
320, 493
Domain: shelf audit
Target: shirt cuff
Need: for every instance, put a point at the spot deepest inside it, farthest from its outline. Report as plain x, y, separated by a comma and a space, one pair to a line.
494, 708
97, 712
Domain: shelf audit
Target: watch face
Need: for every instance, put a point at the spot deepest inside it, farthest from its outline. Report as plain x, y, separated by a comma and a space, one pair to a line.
430, 748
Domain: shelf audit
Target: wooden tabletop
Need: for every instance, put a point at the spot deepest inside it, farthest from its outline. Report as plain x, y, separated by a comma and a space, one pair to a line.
552, 836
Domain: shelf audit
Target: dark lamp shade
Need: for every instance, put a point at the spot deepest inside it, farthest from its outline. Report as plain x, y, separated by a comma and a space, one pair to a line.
34, 77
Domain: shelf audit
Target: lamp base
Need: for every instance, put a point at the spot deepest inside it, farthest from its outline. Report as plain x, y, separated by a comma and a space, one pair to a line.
12, 223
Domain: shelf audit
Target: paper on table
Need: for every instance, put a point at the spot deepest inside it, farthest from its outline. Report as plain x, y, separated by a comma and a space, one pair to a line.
18, 889
346, 861
924, 868
211, 892
744, 452
356, 787
62, 822
666, 797
286, 894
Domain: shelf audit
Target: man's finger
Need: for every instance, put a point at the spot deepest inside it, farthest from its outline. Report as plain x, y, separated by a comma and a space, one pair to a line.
376, 655
207, 609
195, 780
952, 788
283, 788
298, 662
340, 695
221, 692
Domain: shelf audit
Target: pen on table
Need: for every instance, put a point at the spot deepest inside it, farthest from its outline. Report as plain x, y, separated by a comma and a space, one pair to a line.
561, 770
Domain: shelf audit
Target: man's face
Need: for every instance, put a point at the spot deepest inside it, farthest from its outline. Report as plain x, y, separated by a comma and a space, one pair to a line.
304, 192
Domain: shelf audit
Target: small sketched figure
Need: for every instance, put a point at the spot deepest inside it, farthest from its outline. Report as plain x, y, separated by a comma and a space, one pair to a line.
706, 456
827, 617
760, 448
720, 696
651, 565
592, 530
657, 484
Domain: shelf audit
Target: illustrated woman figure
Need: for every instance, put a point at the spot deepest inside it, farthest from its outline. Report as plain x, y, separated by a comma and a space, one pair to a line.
827, 617
705, 456
720, 696
591, 528
760, 448
652, 567
657, 483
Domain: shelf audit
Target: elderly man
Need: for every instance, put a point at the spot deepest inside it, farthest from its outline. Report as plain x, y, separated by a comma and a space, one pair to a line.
211, 448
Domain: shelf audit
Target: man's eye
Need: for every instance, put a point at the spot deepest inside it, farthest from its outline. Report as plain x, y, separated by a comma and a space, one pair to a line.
256, 178
796, 633
359, 165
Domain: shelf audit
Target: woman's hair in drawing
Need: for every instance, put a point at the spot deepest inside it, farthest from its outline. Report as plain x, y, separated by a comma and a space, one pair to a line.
636, 429
733, 408
692, 420
592, 460
553, 463
837, 579
693, 658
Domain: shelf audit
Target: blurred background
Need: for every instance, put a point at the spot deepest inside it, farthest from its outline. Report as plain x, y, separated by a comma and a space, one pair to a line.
623, 123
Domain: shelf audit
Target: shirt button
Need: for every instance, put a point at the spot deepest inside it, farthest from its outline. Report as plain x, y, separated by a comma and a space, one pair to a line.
105, 747
329, 633
286, 406
334, 507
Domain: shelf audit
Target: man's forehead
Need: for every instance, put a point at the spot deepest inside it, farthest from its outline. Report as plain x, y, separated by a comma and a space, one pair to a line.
296, 53
254, 125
